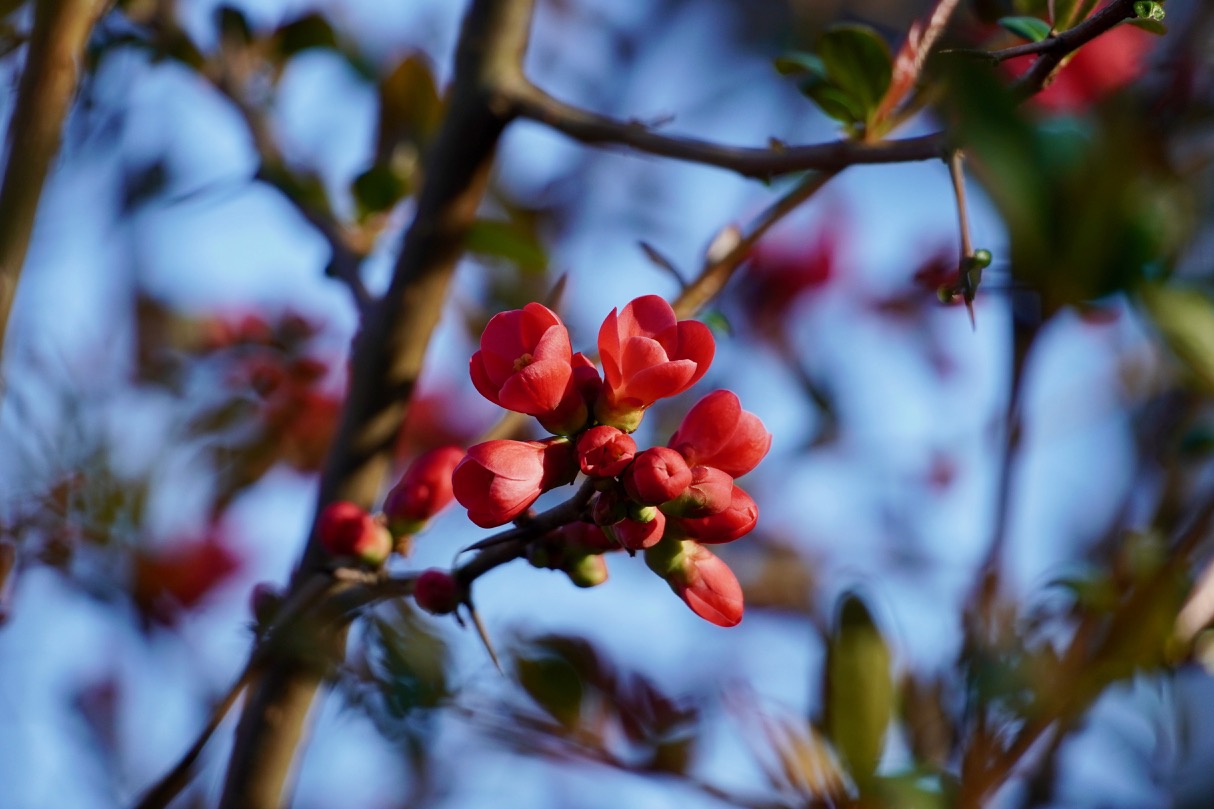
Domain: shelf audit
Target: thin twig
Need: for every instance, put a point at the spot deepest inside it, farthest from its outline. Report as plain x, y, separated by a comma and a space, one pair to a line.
957, 173
1065, 43
170, 785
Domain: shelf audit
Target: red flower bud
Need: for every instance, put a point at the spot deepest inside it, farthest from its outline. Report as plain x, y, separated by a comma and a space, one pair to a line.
635, 535
717, 432
423, 491
658, 474
604, 452
710, 492
525, 365
437, 592
498, 480
703, 581
648, 354
730, 524
344, 529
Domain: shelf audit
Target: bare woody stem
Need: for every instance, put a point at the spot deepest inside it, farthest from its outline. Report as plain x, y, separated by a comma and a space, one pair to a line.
763, 163
48, 84
386, 362
1060, 45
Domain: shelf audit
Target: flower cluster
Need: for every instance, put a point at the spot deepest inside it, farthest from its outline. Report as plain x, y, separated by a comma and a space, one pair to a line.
669, 502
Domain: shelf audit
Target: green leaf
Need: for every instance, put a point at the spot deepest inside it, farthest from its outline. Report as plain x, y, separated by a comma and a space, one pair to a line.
410, 661
232, 25
835, 103
377, 189
858, 63
859, 690
554, 684
796, 62
1185, 319
304, 33
509, 241
410, 108
1149, 10
1150, 26
1030, 28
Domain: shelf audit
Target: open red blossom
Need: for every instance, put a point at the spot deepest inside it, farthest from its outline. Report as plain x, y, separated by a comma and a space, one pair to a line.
710, 492
498, 480
345, 529
703, 581
732, 523
635, 535
717, 432
525, 364
423, 491
648, 354
656, 475
604, 452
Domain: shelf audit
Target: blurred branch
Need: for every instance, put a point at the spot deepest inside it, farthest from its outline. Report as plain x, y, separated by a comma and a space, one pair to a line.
589, 127
345, 262
386, 362
168, 787
48, 84
1056, 48
718, 269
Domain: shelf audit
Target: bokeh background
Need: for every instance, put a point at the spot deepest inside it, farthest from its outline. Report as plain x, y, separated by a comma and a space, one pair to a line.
177, 357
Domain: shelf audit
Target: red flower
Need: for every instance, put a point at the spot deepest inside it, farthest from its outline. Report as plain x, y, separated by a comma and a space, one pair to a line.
437, 592
525, 365
732, 523
423, 491
1105, 64
181, 575
658, 474
635, 535
710, 492
498, 480
648, 354
604, 452
703, 581
779, 271
717, 432
344, 529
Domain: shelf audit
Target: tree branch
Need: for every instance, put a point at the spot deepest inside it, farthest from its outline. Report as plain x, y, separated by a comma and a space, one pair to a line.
1041, 73
48, 84
589, 127
386, 362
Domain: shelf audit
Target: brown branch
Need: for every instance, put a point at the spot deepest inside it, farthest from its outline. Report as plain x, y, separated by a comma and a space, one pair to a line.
48, 84
592, 128
386, 362
345, 263
1065, 43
